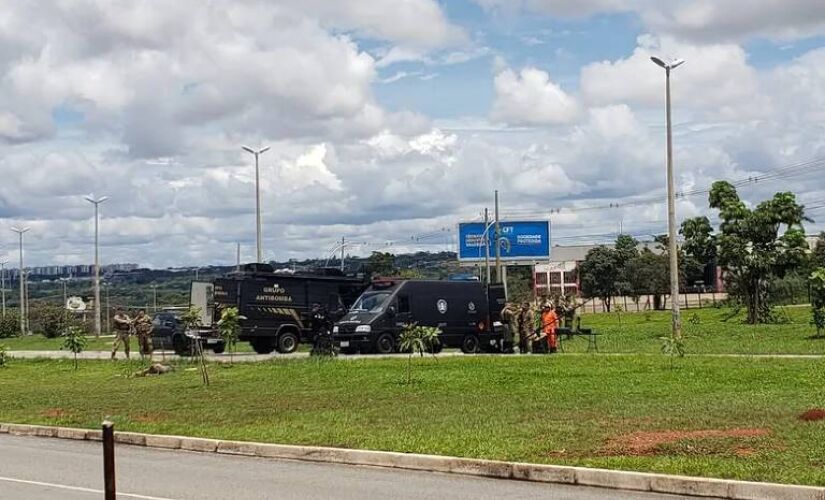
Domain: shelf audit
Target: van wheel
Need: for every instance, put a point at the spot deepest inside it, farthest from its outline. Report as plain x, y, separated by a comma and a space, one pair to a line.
470, 344
180, 345
385, 344
287, 343
263, 345
436, 347
219, 348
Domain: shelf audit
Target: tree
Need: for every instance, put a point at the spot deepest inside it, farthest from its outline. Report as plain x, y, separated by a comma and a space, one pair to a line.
381, 263
599, 274
699, 248
626, 249
229, 327
649, 273
752, 251
417, 339
817, 281
74, 341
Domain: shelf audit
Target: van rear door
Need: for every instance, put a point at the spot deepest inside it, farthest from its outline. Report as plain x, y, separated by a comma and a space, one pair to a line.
202, 296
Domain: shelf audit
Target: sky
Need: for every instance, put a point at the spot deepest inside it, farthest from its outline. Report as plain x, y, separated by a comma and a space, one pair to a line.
390, 121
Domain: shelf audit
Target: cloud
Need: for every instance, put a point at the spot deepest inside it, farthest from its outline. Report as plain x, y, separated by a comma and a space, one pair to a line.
715, 78
531, 98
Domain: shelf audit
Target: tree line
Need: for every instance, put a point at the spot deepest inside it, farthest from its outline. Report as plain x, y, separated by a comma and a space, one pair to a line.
755, 247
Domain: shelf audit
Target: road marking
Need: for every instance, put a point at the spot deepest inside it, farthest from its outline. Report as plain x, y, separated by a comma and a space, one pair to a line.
80, 488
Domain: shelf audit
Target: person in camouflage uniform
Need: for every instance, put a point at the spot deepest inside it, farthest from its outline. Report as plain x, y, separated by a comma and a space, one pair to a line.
526, 328
143, 327
566, 310
509, 318
123, 327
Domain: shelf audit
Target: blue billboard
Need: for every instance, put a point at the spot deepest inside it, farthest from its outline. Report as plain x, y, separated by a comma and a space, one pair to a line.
518, 240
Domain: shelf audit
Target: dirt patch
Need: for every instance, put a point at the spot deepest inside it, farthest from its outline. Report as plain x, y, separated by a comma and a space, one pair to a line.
813, 415
650, 443
148, 418
54, 413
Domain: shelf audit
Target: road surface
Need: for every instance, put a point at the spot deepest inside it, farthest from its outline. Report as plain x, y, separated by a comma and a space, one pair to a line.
42, 468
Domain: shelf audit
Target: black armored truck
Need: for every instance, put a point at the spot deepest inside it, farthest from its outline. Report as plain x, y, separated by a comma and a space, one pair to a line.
278, 307
467, 313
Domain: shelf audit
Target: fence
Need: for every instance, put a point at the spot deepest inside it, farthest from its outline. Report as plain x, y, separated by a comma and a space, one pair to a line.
693, 300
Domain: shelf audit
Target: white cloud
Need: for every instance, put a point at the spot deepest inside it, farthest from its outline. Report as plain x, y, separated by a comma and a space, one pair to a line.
531, 98
715, 78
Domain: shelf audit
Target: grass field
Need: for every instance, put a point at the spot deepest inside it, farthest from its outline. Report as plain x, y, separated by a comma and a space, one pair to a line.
721, 417
706, 331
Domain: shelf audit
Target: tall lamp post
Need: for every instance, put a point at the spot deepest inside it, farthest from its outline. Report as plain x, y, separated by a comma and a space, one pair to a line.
671, 204
96, 203
257, 198
20, 275
3, 284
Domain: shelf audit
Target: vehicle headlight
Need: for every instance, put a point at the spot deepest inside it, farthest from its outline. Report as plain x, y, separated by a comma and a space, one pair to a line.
335, 329
363, 329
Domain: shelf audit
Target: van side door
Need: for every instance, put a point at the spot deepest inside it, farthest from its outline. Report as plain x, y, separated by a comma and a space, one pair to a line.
403, 310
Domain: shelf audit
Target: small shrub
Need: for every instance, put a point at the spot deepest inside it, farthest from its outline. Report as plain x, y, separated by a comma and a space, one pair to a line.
10, 324
50, 320
694, 319
673, 347
3, 356
75, 341
817, 281
229, 327
418, 339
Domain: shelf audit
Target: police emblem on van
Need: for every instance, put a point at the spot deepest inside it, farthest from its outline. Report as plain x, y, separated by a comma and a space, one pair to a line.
441, 305
471, 306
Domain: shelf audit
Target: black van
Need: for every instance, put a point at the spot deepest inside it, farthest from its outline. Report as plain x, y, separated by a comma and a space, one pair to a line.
467, 312
277, 307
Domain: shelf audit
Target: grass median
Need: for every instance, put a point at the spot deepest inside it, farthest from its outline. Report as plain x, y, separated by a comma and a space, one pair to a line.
718, 417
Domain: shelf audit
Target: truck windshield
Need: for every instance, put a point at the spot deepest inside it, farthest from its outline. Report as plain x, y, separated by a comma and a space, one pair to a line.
371, 301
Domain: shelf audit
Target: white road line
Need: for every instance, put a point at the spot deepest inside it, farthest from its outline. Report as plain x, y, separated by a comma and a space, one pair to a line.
79, 488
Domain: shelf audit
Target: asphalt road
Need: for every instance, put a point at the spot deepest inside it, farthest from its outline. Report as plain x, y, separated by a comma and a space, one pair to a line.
41, 468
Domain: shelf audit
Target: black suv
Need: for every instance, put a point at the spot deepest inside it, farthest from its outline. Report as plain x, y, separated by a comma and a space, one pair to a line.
168, 333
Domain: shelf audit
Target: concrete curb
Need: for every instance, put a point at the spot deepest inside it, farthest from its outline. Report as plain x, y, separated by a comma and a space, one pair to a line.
603, 478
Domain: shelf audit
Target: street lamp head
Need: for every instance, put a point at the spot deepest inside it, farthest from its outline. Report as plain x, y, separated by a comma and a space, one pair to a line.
248, 149
20, 230
668, 66
263, 150
91, 199
258, 152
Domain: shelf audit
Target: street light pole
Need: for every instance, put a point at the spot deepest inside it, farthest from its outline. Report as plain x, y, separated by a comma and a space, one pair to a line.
671, 205
96, 203
3, 284
258, 198
20, 232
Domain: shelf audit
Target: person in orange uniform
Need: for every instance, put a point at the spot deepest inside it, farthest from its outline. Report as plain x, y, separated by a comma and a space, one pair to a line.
549, 323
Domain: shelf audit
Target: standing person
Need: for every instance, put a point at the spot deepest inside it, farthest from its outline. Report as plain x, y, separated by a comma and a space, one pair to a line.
509, 318
143, 328
526, 321
549, 323
123, 326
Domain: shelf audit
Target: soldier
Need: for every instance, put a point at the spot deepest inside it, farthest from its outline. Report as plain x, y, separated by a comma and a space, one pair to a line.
526, 328
143, 327
566, 309
123, 326
509, 318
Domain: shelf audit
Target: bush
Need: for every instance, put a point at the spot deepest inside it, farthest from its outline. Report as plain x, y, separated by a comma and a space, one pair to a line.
50, 320
4, 359
9, 324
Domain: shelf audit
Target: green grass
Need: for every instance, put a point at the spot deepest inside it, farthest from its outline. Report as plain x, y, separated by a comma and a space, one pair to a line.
706, 331
545, 409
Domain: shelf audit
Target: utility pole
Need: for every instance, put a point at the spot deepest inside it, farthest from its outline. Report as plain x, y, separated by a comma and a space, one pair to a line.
108, 310
343, 244
485, 240
65, 292
258, 199
671, 205
3, 284
96, 203
20, 275
155, 298
498, 246
238, 257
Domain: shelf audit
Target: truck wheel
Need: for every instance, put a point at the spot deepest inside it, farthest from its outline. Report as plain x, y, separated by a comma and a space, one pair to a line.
263, 345
436, 347
219, 348
385, 344
181, 345
470, 344
287, 343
